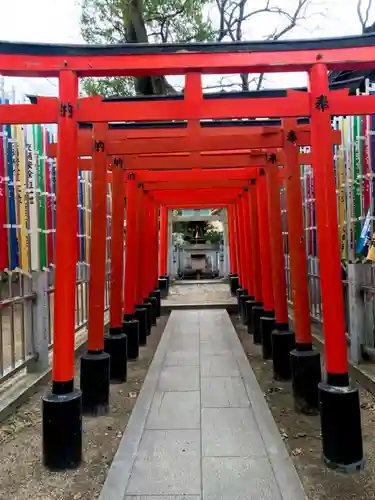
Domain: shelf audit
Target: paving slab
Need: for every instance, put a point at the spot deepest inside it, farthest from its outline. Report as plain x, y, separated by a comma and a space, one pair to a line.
223, 392
230, 432
175, 410
201, 428
167, 462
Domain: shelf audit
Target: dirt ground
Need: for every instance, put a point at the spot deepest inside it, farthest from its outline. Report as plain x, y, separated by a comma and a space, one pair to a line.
301, 434
22, 476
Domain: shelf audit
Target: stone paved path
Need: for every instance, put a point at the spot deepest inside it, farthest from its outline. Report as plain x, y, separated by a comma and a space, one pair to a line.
213, 292
201, 429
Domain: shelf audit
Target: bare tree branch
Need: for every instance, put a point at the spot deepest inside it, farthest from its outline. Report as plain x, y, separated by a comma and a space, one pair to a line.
363, 18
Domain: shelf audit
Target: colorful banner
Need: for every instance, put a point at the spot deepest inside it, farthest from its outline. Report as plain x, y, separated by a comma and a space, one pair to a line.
81, 218
33, 199
12, 220
3, 208
19, 158
48, 196
38, 145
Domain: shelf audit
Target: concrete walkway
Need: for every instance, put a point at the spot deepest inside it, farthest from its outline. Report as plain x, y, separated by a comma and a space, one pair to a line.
203, 293
201, 428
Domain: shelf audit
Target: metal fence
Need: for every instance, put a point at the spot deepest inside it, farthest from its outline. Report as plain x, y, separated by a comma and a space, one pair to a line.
18, 308
27, 309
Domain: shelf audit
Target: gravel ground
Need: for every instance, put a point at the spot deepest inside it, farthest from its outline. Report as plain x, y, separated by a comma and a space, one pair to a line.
301, 434
22, 476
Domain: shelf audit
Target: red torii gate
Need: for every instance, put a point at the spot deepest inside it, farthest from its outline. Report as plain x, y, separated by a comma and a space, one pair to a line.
339, 407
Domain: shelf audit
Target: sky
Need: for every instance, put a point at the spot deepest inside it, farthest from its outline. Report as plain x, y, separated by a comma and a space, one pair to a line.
58, 21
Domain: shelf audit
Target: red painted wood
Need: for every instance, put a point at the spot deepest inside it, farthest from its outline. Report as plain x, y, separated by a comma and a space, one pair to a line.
117, 248
326, 221
276, 243
66, 235
255, 242
296, 241
98, 245
181, 62
131, 248
232, 242
264, 239
163, 262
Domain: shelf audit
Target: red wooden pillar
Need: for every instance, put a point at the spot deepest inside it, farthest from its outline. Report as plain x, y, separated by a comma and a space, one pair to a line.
94, 377
156, 245
249, 250
282, 339
305, 362
242, 293
234, 280
130, 324
146, 247
243, 246
163, 263
237, 242
117, 247
163, 253
264, 320
115, 344
340, 413
265, 247
240, 258
142, 312
151, 293
131, 247
231, 237
296, 240
62, 450
255, 243
276, 244
141, 250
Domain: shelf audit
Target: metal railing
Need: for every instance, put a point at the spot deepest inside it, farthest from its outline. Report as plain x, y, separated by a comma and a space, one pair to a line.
16, 318
17, 315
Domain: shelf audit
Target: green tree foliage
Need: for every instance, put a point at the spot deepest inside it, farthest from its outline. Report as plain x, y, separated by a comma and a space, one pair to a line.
138, 21
170, 21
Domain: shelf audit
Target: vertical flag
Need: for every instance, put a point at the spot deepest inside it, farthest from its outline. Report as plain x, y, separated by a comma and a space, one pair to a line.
12, 222
22, 202
48, 197
3, 208
38, 144
33, 199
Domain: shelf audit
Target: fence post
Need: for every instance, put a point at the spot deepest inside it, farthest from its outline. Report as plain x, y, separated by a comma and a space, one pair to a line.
40, 323
356, 278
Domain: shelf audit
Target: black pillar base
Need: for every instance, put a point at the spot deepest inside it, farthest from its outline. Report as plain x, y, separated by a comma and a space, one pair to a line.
156, 294
62, 427
94, 382
152, 301
239, 293
249, 314
166, 276
306, 375
242, 300
163, 287
148, 307
257, 313
340, 418
130, 327
116, 345
267, 324
140, 313
283, 342
234, 284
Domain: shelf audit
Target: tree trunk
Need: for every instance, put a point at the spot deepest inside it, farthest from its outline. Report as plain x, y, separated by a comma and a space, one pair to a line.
136, 33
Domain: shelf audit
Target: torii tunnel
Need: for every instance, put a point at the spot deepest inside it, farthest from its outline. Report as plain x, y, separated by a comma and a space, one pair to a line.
231, 150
